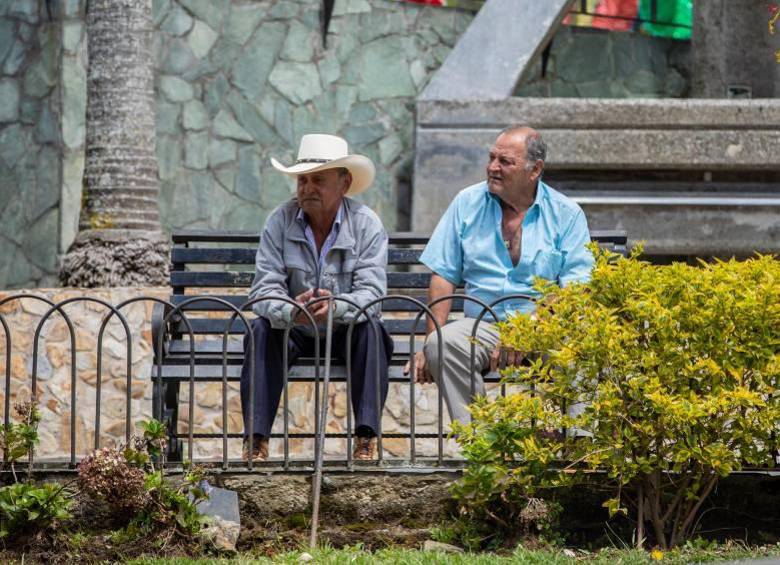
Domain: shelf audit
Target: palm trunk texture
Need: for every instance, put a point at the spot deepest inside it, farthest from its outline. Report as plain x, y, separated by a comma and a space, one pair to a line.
120, 240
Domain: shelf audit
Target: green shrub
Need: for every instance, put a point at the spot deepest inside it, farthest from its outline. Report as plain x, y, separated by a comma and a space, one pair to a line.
26, 507
18, 440
173, 508
675, 370
126, 479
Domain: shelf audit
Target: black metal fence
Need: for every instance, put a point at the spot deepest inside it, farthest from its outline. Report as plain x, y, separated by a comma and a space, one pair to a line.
322, 364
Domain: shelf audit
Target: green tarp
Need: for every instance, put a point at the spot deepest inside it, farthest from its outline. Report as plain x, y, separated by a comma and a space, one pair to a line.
678, 12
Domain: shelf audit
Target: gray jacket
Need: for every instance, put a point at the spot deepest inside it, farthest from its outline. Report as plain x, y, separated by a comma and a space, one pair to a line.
354, 268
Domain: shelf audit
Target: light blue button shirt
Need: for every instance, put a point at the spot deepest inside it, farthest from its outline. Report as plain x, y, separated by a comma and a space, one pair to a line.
466, 248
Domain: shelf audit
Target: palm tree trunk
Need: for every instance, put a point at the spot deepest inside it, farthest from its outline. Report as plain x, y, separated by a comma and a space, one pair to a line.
120, 240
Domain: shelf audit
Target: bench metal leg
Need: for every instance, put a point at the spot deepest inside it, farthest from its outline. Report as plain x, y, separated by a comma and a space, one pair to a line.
169, 416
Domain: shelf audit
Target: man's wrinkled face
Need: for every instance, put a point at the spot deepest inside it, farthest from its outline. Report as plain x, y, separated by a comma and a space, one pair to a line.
507, 171
322, 191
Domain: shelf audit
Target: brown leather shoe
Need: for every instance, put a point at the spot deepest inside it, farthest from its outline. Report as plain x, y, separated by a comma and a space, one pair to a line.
259, 449
365, 448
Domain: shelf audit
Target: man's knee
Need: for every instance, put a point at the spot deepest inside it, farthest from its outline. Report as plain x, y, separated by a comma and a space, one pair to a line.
431, 347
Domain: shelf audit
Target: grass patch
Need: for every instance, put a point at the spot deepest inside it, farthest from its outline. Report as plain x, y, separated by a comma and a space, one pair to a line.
694, 552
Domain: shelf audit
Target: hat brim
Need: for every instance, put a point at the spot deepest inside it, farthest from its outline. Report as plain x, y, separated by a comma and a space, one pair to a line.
362, 169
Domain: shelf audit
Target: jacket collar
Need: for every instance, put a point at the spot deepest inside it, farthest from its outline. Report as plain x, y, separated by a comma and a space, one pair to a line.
345, 239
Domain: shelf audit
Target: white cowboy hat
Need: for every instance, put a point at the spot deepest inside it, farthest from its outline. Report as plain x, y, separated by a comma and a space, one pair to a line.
319, 151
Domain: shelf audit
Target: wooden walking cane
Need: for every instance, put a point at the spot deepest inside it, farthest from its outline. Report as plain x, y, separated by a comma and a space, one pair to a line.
320, 447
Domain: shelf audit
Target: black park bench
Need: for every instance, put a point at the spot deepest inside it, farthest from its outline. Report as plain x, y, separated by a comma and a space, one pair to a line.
221, 264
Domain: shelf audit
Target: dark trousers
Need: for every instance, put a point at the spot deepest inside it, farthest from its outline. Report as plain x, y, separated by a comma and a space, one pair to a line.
268, 376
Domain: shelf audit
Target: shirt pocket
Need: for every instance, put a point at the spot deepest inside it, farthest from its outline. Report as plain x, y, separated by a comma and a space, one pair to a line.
547, 264
338, 276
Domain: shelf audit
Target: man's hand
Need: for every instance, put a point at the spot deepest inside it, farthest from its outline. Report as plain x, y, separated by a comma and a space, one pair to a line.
421, 373
319, 311
503, 357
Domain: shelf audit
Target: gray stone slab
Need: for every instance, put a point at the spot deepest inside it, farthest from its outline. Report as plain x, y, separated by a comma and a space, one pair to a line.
15, 58
381, 72
6, 37
693, 229
298, 82
177, 22
9, 94
47, 130
646, 149
201, 39
489, 59
225, 125
251, 69
210, 11
196, 150
195, 116
606, 114
242, 21
175, 89
13, 144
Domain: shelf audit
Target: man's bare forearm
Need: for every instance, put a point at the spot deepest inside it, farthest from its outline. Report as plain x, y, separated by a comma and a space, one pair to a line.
439, 287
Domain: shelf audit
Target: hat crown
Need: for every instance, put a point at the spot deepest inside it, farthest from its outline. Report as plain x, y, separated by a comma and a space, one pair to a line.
322, 147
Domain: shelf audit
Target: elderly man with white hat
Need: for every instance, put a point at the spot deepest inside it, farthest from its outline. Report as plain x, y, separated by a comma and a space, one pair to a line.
319, 243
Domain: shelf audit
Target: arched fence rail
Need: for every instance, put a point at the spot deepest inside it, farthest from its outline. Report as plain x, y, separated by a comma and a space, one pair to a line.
77, 406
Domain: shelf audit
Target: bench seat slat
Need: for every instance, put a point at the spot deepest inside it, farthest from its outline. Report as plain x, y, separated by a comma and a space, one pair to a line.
211, 349
201, 326
213, 373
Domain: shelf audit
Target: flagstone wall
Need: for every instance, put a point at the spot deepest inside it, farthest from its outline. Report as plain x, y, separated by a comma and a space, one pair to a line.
595, 63
30, 144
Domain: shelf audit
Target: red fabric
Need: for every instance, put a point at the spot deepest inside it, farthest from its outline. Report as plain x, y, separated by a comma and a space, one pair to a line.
624, 8
431, 2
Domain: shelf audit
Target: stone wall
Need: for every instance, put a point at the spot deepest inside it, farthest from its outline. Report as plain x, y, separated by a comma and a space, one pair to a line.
30, 140
594, 63
54, 384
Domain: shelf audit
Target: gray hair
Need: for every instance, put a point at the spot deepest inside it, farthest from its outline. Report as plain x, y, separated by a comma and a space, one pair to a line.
535, 146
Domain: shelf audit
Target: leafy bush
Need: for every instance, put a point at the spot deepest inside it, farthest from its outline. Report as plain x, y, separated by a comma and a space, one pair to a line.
107, 475
174, 508
673, 371
18, 440
127, 480
26, 506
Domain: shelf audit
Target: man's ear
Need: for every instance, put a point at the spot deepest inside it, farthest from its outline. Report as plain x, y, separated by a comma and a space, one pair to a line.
538, 168
347, 178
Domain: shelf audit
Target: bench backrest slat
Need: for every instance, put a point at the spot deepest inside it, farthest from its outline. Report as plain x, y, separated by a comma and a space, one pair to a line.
246, 256
243, 279
389, 305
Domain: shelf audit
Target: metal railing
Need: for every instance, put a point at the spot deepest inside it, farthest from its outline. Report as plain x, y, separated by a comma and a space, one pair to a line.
179, 313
